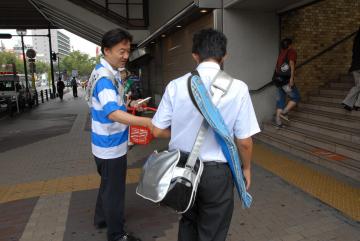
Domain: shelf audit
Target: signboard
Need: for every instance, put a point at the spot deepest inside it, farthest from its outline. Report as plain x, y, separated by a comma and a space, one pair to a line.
74, 72
30, 53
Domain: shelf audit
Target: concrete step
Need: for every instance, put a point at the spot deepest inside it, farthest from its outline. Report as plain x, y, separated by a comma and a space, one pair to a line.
341, 85
326, 98
331, 130
334, 145
327, 117
346, 78
329, 107
332, 91
310, 153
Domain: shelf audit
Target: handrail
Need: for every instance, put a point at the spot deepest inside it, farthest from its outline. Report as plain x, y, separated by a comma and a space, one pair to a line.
262, 87
325, 50
309, 60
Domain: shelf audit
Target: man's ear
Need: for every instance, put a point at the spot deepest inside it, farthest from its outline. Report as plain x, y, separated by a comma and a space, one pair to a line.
223, 59
107, 51
196, 58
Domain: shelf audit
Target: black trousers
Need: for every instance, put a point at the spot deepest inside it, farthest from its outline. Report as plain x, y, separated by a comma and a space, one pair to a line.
61, 94
110, 202
74, 91
210, 217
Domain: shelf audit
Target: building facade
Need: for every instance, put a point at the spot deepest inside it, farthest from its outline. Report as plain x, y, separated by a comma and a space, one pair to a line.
60, 44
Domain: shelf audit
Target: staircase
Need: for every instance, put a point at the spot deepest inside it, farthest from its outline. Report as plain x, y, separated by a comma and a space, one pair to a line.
321, 131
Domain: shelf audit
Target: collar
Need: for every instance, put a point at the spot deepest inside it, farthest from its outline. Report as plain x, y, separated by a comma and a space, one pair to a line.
108, 66
208, 64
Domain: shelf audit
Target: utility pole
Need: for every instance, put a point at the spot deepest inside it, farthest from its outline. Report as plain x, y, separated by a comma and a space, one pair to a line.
51, 65
59, 65
22, 32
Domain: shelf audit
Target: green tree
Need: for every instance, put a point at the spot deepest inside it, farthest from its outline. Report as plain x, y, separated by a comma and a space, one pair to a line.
10, 58
42, 67
81, 62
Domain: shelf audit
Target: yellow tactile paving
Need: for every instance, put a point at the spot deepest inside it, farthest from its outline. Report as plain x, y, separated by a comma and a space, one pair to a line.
335, 193
59, 185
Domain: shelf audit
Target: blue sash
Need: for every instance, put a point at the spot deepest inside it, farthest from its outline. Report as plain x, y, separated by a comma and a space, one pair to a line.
222, 134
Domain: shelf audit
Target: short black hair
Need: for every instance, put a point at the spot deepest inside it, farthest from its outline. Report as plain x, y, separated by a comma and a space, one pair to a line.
286, 42
113, 37
209, 43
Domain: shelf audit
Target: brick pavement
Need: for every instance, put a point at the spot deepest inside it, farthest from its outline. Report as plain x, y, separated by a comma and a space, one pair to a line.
14, 217
281, 212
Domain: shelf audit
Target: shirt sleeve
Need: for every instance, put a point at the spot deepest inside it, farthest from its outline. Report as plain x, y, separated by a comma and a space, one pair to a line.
246, 124
106, 93
164, 113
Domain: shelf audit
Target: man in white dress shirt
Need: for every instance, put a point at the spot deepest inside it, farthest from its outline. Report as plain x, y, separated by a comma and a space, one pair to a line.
209, 219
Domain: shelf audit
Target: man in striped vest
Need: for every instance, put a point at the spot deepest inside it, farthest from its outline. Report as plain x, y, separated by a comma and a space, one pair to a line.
109, 132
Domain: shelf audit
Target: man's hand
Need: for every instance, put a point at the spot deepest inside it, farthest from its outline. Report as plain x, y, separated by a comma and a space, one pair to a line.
291, 82
247, 176
148, 124
245, 150
138, 104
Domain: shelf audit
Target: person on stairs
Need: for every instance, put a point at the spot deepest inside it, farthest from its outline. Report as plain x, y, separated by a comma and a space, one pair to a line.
352, 100
287, 57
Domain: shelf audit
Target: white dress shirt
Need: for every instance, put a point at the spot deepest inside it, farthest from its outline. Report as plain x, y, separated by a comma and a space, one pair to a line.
178, 112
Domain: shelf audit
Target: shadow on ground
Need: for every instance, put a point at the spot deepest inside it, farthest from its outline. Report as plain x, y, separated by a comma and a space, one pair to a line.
144, 219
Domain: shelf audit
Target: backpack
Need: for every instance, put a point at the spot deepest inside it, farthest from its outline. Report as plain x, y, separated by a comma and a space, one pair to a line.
97, 74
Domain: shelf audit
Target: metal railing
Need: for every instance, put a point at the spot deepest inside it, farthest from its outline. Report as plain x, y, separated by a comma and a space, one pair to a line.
13, 107
309, 60
121, 12
42, 96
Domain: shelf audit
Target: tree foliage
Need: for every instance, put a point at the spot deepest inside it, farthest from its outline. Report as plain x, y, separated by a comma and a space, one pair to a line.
76, 60
81, 62
42, 67
10, 58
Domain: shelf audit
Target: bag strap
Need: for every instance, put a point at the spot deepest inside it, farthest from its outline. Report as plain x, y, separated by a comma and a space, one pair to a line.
96, 75
285, 60
103, 72
219, 87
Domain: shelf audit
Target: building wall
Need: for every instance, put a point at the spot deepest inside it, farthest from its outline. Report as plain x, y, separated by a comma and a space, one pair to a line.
171, 56
252, 52
63, 44
316, 27
41, 44
59, 41
177, 58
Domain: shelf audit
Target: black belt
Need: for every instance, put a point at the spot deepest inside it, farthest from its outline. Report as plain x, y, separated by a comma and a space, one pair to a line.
214, 163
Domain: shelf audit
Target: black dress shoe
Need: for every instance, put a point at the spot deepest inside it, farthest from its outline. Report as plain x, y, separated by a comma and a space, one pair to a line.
128, 237
101, 225
348, 108
357, 108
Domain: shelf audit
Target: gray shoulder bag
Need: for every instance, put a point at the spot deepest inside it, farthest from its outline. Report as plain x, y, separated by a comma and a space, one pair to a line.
171, 178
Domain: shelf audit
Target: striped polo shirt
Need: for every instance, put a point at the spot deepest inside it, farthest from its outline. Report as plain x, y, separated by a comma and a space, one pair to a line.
108, 138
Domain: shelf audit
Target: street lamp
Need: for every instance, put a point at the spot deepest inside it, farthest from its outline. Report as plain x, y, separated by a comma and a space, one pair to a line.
22, 32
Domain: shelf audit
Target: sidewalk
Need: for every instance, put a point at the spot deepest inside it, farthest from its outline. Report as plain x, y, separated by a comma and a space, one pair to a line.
48, 188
